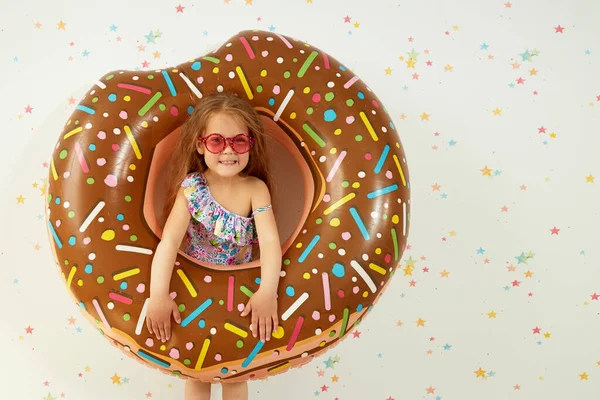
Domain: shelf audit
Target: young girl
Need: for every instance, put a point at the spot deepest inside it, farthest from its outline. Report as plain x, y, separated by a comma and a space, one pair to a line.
219, 207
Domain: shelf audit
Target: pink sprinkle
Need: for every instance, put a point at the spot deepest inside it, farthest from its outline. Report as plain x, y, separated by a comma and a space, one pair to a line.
174, 353
218, 357
316, 315
101, 161
149, 342
189, 345
375, 104
349, 120
326, 198
276, 89
173, 295
388, 174
110, 180
66, 174
340, 294
355, 289
115, 147
388, 258
331, 318
174, 111
316, 97
58, 222
141, 288
200, 79
241, 307
255, 38
228, 57
87, 240
125, 227
264, 53
208, 279
368, 156
101, 135
346, 235
123, 114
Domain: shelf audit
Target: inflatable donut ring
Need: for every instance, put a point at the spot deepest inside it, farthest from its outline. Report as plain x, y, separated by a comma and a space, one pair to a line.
342, 189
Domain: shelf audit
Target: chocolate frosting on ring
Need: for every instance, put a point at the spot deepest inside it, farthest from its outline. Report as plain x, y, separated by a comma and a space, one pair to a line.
337, 264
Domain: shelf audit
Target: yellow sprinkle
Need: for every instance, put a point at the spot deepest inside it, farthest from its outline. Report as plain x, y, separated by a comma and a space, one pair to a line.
365, 293
126, 274
306, 90
322, 344
337, 132
108, 235
279, 333
395, 219
163, 347
333, 150
79, 282
144, 124
306, 275
234, 329
187, 283
377, 268
299, 245
263, 73
202, 355
215, 70
134, 146
356, 185
71, 275
293, 115
378, 250
340, 202
335, 222
127, 98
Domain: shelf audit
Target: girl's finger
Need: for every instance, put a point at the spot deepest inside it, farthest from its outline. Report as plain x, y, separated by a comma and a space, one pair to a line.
254, 323
263, 328
149, 325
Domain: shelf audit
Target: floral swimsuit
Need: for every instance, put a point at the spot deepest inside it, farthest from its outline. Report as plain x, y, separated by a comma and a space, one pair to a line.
216, 235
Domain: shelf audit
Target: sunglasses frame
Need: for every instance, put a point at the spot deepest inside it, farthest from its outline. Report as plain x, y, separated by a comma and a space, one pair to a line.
225, 142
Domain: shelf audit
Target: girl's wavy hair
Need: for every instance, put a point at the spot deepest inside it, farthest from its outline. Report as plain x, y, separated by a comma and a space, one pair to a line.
186, 159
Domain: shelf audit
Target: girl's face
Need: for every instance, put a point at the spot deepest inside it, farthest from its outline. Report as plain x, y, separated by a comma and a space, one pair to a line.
228, 163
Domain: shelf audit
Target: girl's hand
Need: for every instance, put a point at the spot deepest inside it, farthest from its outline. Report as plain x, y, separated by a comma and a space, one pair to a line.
263, 305
158, 316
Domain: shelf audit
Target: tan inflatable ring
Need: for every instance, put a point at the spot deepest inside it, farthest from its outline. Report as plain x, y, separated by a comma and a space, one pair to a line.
341, 185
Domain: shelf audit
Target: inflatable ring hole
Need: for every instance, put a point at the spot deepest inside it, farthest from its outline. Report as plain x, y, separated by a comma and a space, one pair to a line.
292, 184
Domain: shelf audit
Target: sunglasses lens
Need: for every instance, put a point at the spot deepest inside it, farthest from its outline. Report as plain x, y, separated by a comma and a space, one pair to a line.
214, 144
241, 144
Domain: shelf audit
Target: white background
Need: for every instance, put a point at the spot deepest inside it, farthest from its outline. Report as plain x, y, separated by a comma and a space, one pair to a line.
481, 316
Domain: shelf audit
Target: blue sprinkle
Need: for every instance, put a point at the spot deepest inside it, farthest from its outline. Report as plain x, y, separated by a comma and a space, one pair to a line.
271, 101
190, 110
359, 308
290, 291
57, 200
92, 147
196, 66
81, 305
120, 217
224, 370
72, 240
338, 270
342, 68
88, 268
392, 125
123, 285
112, 97
202, 323
329, 115
257, 281
361, 95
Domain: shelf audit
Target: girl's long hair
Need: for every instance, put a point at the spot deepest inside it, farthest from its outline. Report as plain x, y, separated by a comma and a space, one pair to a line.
186, 159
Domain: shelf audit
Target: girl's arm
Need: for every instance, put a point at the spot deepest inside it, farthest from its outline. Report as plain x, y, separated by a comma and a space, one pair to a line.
160, 304
166, 251
263, 303
268, 239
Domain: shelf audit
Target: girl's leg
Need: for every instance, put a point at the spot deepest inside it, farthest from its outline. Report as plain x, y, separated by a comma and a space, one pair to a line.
196, 390
235, 391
